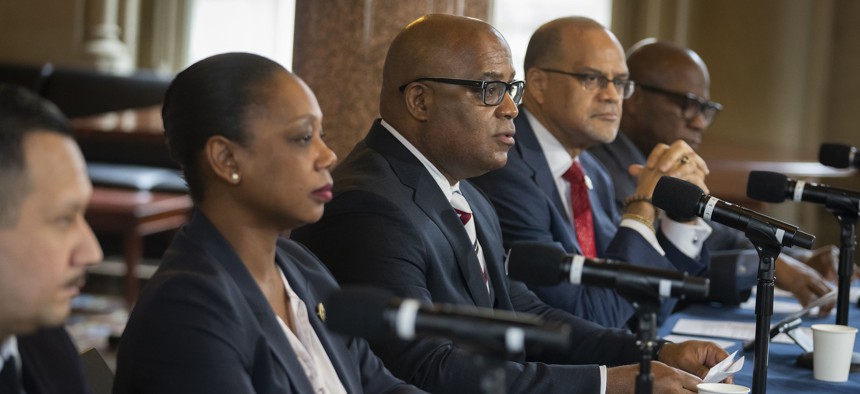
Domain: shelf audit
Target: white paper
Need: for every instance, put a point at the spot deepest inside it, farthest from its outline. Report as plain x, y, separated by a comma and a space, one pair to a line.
684, 338
728, 367
722, 329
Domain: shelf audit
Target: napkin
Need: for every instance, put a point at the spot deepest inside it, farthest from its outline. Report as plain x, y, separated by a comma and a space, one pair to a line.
724, 369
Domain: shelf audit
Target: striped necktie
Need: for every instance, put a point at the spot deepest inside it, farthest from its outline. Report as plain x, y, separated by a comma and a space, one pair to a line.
461, 206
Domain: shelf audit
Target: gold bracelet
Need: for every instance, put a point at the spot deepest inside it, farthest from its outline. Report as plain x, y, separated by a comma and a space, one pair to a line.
640, 219
633, 198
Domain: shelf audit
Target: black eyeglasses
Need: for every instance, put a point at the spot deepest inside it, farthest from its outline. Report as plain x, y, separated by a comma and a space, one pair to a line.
624, 87
492, 92
691, 105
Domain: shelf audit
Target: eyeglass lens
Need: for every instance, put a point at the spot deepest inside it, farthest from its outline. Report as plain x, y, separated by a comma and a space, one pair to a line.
494, 92
693, 107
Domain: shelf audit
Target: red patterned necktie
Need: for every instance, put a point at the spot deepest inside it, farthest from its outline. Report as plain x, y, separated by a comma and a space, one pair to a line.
461, 206
581, 206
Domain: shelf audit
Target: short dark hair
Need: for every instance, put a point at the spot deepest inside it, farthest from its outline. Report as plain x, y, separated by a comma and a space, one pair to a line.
212, 97
21, 112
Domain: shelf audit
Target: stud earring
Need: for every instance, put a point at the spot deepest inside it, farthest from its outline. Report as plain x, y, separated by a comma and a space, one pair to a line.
235, 177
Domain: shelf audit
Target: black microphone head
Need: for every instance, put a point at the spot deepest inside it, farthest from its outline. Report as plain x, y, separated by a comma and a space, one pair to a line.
535, 263
677, 197
358, 311
767, 186
836, 155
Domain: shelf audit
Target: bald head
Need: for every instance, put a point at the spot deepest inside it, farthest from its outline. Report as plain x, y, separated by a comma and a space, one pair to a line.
655, 62
435, 45
554, 38
664, 72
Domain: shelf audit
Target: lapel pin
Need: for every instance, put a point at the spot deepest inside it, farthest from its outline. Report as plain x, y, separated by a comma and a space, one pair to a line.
321, 311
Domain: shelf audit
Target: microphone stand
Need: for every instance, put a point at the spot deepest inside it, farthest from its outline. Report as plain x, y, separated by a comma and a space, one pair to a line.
847, 219
646, 302
646, 310
489, 357
768, 247
847, 242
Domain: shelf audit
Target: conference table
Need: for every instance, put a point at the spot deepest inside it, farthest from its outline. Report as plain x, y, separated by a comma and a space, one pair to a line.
783, 375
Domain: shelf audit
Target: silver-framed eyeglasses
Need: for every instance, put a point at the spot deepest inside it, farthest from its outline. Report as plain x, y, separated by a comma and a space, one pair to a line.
492, 92
691, 104
593, 81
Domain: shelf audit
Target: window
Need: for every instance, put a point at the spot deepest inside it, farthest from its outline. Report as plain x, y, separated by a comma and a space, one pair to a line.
517, 20
264, 27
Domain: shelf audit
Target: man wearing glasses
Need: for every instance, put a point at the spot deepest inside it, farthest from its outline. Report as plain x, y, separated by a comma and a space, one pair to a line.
671, 103
404, 218
553, 190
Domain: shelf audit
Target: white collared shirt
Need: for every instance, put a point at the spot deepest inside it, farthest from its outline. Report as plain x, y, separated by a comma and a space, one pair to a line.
308, 348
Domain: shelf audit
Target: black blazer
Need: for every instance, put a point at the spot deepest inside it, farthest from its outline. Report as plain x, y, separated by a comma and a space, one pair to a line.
202, 325
390, 226
51, 364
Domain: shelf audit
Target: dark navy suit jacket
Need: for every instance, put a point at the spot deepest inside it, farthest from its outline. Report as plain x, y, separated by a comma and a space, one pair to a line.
202, 325
530, 208
51, 364
390, 226
733, 264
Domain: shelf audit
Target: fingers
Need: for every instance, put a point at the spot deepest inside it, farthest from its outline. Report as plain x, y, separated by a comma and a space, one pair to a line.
668, 379
677, 160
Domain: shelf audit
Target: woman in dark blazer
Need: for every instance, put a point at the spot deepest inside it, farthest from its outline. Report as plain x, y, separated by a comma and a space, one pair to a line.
235, 308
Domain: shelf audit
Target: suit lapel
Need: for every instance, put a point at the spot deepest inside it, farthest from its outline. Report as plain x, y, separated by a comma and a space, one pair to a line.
532, 155
433, 203
299, 284
277, 340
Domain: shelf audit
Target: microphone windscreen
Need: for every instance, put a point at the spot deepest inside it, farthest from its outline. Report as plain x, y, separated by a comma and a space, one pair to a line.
835, 155
677, 197
358, 311
536, 263
767, 186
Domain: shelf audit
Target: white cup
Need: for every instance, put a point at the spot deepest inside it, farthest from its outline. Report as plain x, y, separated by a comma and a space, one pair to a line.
721, 388
833, 346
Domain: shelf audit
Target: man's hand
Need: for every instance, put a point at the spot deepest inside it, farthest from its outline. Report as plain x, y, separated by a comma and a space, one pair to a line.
677, 160
803, 281
825, 260
695, 357
666, 379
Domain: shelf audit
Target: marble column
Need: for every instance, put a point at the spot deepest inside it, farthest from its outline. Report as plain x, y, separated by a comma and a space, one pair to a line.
103, 47
339, 50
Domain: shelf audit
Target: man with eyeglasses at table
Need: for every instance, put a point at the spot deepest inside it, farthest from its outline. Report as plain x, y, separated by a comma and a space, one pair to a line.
672, 103
577, 79
394, 222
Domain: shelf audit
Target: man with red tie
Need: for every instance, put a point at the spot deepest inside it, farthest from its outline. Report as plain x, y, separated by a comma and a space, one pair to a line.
447, 105
553, 190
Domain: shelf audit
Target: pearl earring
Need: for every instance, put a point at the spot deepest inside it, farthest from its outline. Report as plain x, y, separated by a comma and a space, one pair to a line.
235, 177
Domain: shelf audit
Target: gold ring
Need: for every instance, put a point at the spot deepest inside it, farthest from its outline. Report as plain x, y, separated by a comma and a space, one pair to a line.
685, 160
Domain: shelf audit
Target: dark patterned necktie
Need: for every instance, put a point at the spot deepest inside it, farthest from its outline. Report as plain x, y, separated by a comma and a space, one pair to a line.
580, 204
9, 378
461, 206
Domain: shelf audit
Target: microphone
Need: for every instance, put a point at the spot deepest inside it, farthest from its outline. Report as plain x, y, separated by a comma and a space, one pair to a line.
542, 264
685, 199
774, 187
373, 314
838, 155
